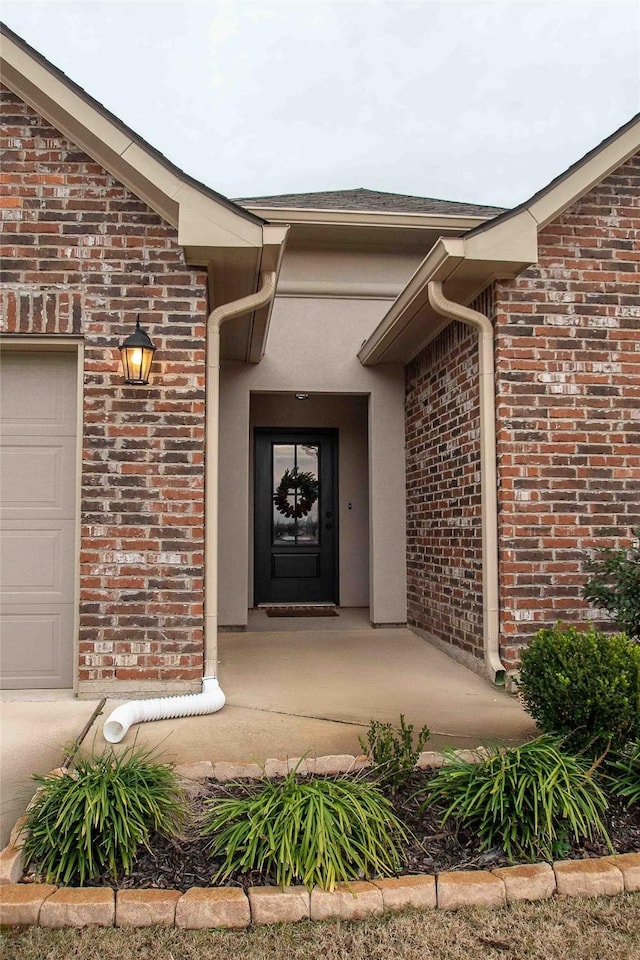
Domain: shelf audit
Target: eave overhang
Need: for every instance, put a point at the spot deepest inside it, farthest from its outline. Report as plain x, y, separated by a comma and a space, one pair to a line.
231, 243
410, 232
366, 218
495, 250
464, 266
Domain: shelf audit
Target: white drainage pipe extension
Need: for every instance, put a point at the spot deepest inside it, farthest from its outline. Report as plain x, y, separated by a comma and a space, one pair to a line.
212, 698
163, 708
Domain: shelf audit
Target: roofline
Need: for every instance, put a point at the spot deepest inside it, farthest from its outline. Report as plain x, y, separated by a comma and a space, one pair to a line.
411, 300
6, 31
234, 245
370, 218
566, 174
384, 193
498, 249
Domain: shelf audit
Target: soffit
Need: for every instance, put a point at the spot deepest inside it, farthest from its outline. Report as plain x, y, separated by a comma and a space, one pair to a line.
233, 244
142, 169
498, 249
366, 228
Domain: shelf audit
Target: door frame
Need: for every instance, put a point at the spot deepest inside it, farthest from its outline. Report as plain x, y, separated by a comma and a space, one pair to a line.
35, 343
333, 435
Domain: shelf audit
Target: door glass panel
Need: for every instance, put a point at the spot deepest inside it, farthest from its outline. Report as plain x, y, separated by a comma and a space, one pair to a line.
295, 493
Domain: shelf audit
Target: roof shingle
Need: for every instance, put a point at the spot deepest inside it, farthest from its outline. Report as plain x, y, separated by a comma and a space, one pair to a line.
372, 201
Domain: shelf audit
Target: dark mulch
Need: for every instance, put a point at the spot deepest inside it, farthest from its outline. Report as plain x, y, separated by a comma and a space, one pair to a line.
432, 848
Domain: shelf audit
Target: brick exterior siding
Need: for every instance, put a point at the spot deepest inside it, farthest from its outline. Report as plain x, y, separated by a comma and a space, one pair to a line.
568, 385
568, 426
444, 536
83, 256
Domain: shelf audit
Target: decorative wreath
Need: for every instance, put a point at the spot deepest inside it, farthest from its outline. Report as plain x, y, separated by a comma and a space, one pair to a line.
304, 485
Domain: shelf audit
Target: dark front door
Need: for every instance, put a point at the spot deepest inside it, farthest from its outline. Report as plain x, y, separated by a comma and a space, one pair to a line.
295, 516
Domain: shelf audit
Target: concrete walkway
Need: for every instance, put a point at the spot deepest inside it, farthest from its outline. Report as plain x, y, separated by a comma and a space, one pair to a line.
292, 687
36, 727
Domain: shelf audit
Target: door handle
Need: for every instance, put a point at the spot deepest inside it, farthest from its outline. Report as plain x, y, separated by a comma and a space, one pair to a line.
328, 526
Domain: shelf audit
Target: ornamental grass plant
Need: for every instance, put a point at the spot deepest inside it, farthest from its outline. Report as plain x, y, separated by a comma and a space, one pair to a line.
315, 831
622, 774
530, 800
90, 822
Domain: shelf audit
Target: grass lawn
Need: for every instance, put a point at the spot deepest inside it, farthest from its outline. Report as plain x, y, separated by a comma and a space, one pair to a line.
570, 929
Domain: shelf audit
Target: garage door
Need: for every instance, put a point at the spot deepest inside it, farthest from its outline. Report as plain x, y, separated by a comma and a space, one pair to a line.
37, 518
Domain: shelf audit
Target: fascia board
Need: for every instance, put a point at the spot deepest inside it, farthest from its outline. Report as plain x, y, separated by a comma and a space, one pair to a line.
32, 80
310, 215
83, 125
207, 222
514, 240
274, 238
502, 251
441, 260
556, 199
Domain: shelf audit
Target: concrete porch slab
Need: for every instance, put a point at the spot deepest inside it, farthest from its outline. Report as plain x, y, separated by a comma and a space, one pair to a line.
314, 691
289, 692
37, 726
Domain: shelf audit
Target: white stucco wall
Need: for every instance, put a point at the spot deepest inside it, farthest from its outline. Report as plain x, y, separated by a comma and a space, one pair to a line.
312, 348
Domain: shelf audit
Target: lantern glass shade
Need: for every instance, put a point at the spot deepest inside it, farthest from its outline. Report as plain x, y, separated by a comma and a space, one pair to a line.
137, 353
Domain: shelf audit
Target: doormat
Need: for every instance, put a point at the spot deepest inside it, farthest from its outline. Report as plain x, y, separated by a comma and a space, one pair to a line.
301, 612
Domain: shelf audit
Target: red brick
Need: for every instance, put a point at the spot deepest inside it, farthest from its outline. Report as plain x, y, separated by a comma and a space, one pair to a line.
97, 229
567, 394
568, 433
444, 548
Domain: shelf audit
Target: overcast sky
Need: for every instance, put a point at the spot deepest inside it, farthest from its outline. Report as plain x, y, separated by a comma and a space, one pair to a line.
475, 100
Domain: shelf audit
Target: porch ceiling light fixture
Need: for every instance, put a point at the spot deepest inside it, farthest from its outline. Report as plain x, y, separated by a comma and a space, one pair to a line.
302, 396
137, 353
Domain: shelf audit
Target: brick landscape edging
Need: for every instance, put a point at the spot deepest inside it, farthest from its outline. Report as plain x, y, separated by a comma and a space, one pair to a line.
228, 907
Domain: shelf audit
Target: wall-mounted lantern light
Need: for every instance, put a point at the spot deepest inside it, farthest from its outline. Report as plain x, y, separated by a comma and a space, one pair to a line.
137, 353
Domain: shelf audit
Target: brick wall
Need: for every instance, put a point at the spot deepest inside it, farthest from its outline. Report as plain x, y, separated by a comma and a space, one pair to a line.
82, 255
444, 536
568, 384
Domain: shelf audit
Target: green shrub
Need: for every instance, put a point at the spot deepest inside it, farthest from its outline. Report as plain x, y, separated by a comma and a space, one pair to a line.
392, 751
584, 686
623, 774
316, 831
614, 586
91, 821
529, 800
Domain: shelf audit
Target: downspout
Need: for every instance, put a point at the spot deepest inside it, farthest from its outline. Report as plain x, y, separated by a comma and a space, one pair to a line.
211, 699
227, 311
488, 473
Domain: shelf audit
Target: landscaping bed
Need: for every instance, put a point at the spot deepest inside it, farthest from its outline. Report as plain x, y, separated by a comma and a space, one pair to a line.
430, 848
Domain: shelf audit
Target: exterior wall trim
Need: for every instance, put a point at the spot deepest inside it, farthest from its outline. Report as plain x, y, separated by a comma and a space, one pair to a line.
370, 218
339, 290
